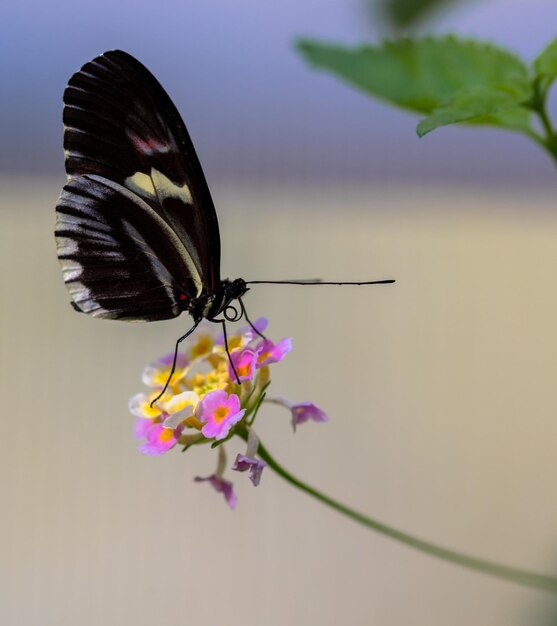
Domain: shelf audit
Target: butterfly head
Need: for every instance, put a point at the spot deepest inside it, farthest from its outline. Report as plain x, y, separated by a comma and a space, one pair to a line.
235, 289
220, 301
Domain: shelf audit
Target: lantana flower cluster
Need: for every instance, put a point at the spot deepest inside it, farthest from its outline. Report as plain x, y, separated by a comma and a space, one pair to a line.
205, 403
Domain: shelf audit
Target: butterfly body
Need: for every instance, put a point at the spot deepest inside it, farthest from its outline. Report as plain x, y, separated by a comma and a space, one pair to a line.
137, 232
211, 305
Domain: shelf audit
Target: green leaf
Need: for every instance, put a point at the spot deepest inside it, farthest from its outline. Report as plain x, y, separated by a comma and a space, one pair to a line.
494, 108
404, 13
425, 74
515, 118
545, 65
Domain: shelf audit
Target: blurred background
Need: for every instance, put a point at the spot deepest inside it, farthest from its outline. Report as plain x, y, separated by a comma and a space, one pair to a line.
441, 388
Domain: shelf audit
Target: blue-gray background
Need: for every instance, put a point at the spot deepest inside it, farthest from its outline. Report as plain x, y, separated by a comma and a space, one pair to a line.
440, 388
255, 111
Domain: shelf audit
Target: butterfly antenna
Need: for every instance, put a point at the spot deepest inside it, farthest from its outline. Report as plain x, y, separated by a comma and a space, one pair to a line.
223, 322
178, 342
317, 282
245, 314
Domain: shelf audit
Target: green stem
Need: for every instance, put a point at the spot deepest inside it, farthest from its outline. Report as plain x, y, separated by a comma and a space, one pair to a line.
538, 106
521, 577
546, 122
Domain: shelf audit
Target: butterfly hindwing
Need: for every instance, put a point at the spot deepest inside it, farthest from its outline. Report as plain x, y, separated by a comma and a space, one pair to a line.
121, 125
119, 259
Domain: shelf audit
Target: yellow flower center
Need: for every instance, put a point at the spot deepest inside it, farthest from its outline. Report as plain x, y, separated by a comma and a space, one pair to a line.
193, 422
221, 413
263, 356
148, 411
203, 346
162, 376
234, 342
166, 434
243, 370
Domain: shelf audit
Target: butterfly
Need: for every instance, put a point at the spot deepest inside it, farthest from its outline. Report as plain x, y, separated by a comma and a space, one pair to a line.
137, 233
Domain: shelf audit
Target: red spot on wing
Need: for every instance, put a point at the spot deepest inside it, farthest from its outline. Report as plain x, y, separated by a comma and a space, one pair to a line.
183, 296
147, 146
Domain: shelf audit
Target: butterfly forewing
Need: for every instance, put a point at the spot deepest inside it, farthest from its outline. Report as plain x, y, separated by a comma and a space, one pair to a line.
122, 128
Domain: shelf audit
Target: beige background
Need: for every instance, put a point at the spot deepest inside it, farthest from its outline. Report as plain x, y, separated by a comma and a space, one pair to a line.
441, 392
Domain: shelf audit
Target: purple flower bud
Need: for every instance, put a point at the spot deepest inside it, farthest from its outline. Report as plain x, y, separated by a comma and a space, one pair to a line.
221, 485
255, 467
304, 411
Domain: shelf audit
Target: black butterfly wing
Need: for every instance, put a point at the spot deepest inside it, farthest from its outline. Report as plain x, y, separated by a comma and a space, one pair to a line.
121, 125
120, 259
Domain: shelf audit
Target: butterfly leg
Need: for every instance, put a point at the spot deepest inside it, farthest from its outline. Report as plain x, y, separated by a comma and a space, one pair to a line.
178, 342
223, 322
245, 314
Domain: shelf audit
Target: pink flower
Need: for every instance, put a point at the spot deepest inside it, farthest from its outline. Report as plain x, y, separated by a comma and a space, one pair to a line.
219, 412
221, 485
304, 411
268, 352
245, 362
159, 440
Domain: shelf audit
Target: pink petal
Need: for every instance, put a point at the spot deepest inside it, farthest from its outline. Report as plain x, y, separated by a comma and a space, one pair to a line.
273, 353
159, 440
245, 363
141, 427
